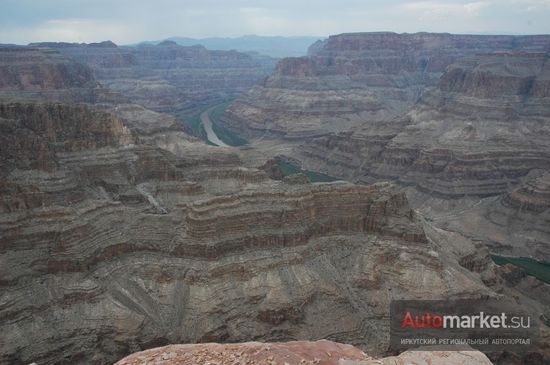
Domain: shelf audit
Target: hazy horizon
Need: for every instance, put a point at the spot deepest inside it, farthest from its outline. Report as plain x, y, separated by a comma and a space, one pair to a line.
127, 22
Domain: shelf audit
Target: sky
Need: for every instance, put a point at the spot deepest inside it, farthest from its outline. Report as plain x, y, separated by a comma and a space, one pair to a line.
132, 21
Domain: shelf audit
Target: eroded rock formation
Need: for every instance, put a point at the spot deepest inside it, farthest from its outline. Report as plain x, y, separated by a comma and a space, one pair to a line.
480, 133
485, 126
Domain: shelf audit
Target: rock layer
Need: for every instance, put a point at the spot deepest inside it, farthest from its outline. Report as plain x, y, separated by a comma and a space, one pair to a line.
120, 233
480, 133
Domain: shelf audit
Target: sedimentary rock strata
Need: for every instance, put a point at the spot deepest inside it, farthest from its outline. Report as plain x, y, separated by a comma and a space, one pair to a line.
482, 132
96, 55
33, 133
352, 78
113, 245
513, 224
463, 138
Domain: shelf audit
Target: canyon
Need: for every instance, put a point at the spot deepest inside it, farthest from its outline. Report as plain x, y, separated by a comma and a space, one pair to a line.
121, 232
473, 132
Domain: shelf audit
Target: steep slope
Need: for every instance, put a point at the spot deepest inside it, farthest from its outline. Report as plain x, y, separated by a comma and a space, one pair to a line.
512, 224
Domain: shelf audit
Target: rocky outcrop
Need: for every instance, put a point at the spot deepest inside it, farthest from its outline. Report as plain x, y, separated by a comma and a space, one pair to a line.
31, 74
292, 353
512, 224
33, 69
352, 78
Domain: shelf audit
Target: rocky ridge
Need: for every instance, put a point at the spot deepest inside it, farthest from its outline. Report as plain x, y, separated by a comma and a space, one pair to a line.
484, 126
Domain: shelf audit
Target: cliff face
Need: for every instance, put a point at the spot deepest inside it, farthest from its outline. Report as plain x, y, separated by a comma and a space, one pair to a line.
168, 77
33, 69
133, 246
515, 223
352, 78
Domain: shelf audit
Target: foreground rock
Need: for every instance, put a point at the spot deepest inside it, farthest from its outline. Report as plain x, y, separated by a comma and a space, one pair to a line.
292, 353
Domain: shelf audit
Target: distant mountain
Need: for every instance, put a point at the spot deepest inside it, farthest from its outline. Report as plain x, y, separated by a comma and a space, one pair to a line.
278, 47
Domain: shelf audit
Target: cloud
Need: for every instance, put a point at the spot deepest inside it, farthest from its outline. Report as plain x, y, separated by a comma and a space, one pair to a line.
446, 9
532, 5
80, 30
128, 21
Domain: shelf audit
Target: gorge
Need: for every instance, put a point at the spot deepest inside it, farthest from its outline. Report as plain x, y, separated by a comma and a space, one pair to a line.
121, 231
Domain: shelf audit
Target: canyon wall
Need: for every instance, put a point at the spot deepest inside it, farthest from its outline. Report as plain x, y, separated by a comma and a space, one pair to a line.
168, 77
479, 133
120, 232
483, 127
352, 78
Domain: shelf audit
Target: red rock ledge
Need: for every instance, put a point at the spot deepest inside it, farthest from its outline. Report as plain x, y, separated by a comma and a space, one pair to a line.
292, 353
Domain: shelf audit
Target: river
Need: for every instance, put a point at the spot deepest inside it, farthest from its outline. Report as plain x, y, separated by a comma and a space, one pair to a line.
207, 124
